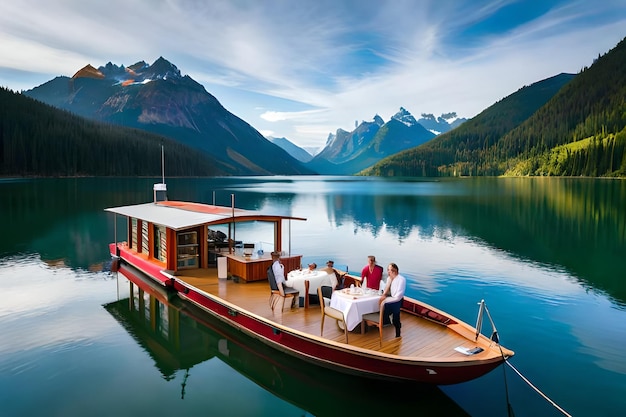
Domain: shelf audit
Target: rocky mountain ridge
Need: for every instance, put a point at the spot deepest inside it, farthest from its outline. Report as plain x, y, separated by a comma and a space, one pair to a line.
159, 99
347, 153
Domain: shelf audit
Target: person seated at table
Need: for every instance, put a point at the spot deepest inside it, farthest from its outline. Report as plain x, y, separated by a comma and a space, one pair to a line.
392, 297
336, 278
373, 273
279, 272
312, 267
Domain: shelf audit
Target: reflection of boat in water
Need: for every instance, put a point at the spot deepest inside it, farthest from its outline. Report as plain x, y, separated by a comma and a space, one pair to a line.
169, 241
178, 335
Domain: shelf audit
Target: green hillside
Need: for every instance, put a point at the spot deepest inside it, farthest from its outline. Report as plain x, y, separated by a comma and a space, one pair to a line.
520, 135
40, 140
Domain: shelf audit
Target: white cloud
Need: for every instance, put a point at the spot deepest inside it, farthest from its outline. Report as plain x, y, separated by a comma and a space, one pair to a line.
277, 116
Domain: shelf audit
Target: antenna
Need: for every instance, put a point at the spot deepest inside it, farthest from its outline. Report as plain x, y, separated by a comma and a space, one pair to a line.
162, 165
232, 203
160, 190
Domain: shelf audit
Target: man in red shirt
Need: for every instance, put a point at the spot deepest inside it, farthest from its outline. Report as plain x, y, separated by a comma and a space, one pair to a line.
373, 273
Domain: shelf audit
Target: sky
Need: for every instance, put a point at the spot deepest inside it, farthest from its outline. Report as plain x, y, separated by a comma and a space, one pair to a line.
303, 69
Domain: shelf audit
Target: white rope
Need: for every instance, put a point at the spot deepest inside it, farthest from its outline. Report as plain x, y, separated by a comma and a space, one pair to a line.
538, 391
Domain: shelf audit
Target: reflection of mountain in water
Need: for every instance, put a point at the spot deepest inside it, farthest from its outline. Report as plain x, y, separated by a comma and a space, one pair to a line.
399, 214
63, 219
577, 224
179, 336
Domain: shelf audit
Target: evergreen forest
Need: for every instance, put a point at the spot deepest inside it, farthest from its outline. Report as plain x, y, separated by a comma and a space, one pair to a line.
40, 140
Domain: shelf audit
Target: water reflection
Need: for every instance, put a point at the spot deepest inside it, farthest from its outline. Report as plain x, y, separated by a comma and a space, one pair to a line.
573, 224
577, 225
178, 337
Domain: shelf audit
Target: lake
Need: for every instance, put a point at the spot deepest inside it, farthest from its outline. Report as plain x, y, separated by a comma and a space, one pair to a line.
546, 254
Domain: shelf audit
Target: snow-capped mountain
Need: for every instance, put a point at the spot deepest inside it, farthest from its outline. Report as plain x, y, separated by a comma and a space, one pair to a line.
404, 117
350, 152
441, 124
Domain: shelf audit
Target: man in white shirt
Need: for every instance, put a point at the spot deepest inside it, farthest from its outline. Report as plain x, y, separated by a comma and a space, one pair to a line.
279, 272
391, 300
336, 279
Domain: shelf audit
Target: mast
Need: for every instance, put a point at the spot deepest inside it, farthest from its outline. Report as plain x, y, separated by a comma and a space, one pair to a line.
160, 190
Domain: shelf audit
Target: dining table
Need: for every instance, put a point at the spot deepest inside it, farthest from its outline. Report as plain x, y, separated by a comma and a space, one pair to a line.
296, 279
354, 303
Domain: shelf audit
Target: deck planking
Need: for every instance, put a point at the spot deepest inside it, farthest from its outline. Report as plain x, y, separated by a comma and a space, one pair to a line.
420, 338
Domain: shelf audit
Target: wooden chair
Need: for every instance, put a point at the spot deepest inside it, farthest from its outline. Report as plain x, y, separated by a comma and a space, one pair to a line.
348, 280
329, 311
275, 294
373, 319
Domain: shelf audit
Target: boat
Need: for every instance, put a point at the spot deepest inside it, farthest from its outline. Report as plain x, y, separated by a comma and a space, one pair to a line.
180, 337
178, 246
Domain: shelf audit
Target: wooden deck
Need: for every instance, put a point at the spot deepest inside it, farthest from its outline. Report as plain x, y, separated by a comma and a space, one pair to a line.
420, 337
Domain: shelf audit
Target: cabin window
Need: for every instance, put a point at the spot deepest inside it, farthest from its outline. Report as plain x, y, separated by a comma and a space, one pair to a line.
187, 245
133, 234
145, 247
160, 243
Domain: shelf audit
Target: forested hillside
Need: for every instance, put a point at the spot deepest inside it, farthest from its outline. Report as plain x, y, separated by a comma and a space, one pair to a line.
578, 131
40, 140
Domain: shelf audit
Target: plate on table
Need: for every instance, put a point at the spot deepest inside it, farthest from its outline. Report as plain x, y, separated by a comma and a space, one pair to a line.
356, 293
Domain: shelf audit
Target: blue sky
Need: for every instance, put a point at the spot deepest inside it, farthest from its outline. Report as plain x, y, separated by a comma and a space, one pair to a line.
302, 69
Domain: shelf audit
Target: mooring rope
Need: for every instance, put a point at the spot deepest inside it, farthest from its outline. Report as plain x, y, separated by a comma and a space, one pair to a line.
537, 390
496, 339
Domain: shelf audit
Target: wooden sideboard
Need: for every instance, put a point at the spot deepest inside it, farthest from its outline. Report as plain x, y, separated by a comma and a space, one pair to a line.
255, 268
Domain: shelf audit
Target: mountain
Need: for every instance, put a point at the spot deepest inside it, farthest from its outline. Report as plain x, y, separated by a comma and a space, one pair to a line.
581, 131
441, 124
350, 152
158, 99
564, 126
292, 149
461, 151
37, 139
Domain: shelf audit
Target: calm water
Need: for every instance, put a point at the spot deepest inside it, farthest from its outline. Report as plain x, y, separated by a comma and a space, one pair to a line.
547, 255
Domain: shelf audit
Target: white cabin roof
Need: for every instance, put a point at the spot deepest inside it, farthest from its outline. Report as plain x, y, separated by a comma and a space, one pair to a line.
180, 215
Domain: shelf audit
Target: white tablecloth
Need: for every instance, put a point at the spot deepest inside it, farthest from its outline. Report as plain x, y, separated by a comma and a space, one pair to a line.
354, 306
295, 279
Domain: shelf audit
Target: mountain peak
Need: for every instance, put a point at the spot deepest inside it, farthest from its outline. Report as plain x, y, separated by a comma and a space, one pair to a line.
138, 73
162, 69
88, 71
403, 116
138, 66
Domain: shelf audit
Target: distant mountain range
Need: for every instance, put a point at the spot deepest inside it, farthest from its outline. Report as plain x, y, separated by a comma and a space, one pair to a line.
347, 153
158, 99
566, 125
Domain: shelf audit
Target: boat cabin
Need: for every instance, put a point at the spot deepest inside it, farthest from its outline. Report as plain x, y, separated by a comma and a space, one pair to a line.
184, 236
